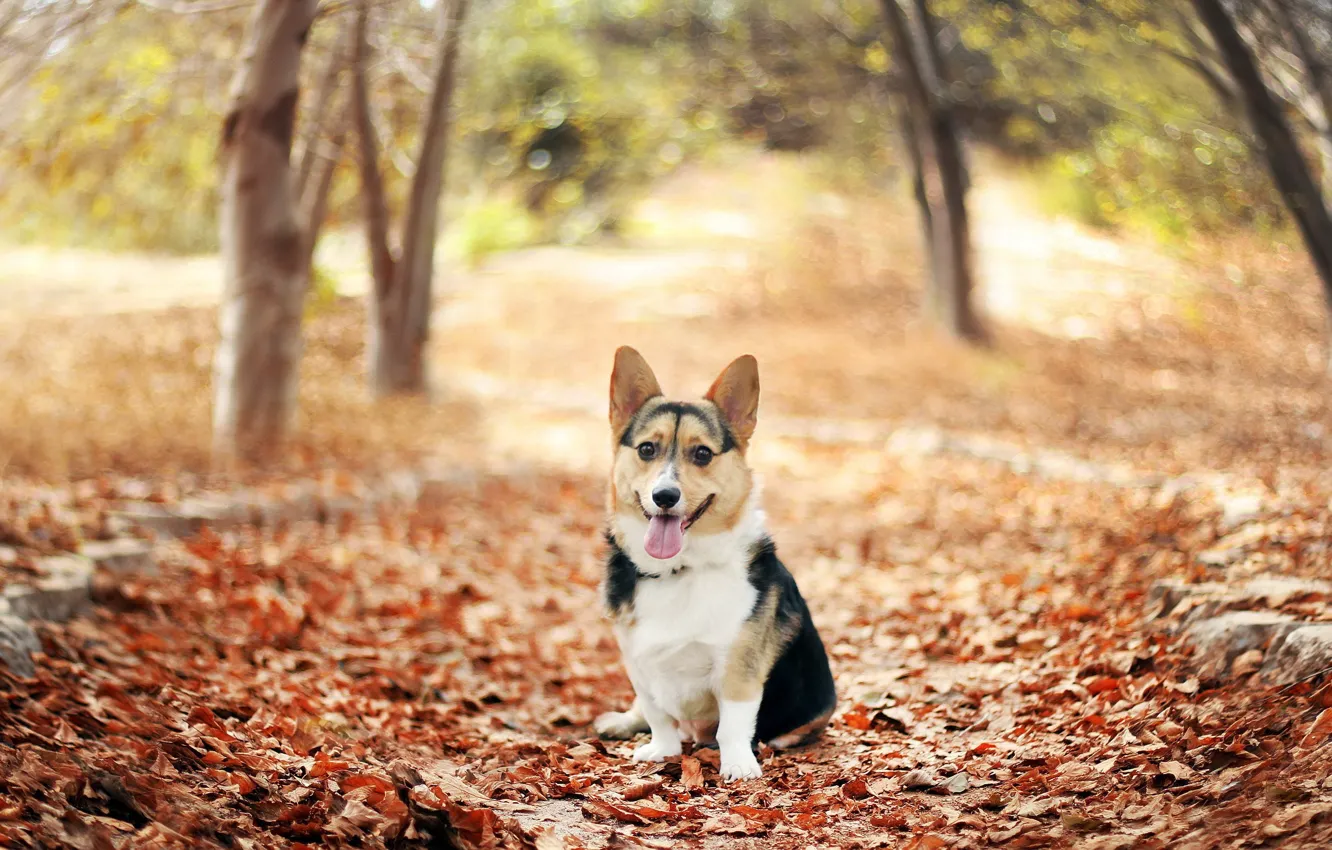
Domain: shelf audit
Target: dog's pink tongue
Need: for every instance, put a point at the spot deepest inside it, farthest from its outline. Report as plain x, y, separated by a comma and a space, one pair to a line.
665, 536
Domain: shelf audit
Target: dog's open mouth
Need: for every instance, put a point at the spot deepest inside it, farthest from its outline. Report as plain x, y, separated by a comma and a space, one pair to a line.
665, 532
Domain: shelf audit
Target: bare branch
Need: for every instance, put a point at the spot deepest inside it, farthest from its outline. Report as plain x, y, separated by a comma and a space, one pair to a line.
319, 112
195, 7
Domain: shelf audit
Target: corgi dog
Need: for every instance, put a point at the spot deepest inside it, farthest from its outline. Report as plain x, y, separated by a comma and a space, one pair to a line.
715, 636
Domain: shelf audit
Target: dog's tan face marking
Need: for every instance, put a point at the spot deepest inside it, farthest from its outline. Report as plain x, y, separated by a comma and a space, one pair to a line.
698, 447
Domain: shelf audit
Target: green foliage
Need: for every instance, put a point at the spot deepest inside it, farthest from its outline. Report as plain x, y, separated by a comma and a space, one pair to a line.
571, 124
323, 290
1129, 135
1063, 194
115, 144
566, 112
490, 227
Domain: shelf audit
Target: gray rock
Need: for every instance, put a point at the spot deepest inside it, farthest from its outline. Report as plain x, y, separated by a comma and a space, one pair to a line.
1239, 508
1164, 597
1190, 603
63, 589
186, 519
122, 556
1275, 591
1221, 557
1306, 652
1219, 640
17, 644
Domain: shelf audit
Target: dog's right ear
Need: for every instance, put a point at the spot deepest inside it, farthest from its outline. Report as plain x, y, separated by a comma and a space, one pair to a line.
632, 383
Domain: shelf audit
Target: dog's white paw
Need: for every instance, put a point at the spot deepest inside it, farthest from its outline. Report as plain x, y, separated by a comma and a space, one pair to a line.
619, 725
740, 766
657, 750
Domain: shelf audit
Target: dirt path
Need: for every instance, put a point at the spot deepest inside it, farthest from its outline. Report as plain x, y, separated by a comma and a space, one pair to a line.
1050, 273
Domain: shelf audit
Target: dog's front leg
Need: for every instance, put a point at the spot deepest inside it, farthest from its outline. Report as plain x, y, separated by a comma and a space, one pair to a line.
735, 739
743, 669
665, 741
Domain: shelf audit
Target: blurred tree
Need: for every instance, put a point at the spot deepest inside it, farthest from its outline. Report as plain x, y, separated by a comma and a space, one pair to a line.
1108, 102
400, 301
323, 135
1281, 149
265, 267
940, 170
30, 31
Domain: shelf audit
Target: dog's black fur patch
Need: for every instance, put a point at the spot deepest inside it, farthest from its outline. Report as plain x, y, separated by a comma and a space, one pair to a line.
621, 577
800, 686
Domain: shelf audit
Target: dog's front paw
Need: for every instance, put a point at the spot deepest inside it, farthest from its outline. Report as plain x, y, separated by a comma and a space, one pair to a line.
658, 750
620, 725
741, 765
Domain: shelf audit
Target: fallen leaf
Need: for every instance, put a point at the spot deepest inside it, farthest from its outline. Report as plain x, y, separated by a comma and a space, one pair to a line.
899, 718
1246, 663
856, 789
1293, 819
1103, 685
1178, 771
857, 718
646, 787
356, 818
729, 823
1081, 822
691, 773
606, 809
1319, 730
919, 778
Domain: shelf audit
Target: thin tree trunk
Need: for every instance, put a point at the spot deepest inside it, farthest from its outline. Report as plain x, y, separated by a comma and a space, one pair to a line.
400, 323
936, 73
314, 203
912, 141
1280, 148
264, 271
1320, 82
321, 113
944, 178
373, 199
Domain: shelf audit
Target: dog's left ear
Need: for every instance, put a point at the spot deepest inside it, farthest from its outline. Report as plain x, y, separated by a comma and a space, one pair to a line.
736, 392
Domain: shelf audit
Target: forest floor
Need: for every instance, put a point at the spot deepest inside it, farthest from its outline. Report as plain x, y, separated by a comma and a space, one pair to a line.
979, 534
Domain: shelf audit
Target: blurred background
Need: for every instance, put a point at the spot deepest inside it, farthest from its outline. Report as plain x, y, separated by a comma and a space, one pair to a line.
307, 314
1085, 226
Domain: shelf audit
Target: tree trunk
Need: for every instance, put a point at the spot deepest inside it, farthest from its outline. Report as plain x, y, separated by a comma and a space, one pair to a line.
373, 200
314, 202
942, 180
321, 114
1280, 149
1319, 82
912, 141
400, 315
265, 275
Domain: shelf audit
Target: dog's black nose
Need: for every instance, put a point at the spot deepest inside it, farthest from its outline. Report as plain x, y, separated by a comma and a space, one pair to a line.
666, 497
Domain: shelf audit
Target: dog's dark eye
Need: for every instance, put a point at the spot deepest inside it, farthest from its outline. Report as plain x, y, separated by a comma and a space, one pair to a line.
702, 456
647, 451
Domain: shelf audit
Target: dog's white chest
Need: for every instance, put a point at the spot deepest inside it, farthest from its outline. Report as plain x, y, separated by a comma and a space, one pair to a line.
681, 629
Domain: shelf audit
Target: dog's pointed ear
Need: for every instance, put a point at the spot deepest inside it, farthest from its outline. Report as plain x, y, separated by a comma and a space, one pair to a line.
632, 383
736, 393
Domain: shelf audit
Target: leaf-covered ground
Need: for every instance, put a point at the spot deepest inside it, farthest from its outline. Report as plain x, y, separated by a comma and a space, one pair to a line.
364, 683
424, 675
